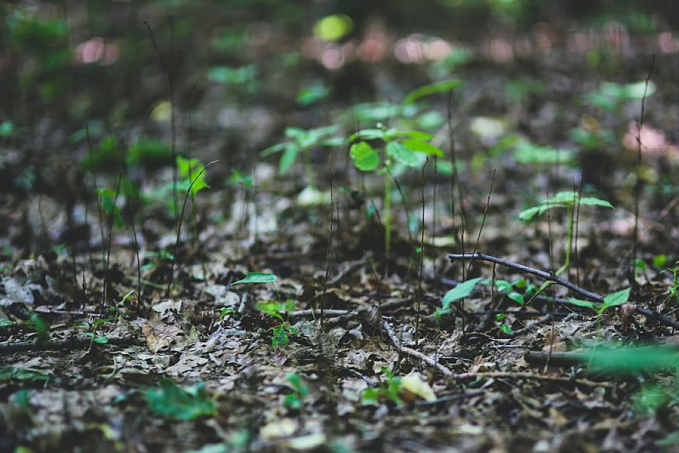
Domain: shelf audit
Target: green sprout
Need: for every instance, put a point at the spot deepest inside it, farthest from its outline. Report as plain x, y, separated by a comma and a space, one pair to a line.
395, 147
280, 333
391, 391
301, 142
295, 399
174, 402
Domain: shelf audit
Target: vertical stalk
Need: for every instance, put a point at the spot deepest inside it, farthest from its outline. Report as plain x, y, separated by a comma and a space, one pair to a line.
387, 212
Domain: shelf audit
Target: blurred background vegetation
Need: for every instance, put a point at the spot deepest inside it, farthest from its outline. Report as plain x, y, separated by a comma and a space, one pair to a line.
243, 70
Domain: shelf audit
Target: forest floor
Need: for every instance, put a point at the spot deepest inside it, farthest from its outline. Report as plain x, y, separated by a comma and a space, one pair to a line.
280, 323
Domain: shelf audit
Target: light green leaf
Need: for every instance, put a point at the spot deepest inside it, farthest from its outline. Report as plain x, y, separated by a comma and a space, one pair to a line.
402, 154
583, 303
617, 298
172, 401
439, 87
591, 201
529, 213
423, 147
256, 277
461, 291
364, 156
368, 134
288, 158
516, 297
277, 148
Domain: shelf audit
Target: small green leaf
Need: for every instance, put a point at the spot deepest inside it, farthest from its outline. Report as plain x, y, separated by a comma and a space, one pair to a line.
617, 298
583, 303
506, 329
368, 134
402, 154
439, 87
461, 291
288, 158
529, 213
256, 277
516, 297
172, 401
591, 201
364, 156
277, 148
423, 147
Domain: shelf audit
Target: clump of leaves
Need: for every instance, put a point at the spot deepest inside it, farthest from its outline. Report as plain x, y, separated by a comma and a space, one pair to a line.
517, 290
295, 400
377, 150
280, 333
390, 391
170, 400
301, 141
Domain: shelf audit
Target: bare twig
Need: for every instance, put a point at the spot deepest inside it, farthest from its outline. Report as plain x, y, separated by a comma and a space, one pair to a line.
386, 328
549, 276
637, 183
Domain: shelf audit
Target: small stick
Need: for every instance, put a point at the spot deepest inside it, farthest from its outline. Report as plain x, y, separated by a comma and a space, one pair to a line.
386, 328
419, 283
549, 276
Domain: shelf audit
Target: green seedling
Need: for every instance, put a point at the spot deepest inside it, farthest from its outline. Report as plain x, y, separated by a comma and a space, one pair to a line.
673, 290
391, 391
191, 176
295, 399
155, 259
236, 178
41, 328
301, 142
517, 290
611, 300
110, 206
504, 327
280, 334
171, 401
569, 201
404, 147
461, 291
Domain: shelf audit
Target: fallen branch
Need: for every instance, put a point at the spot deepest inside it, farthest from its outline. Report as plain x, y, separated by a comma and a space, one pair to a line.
662, 319
549, 276
528, 376
70, 343
389, 332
